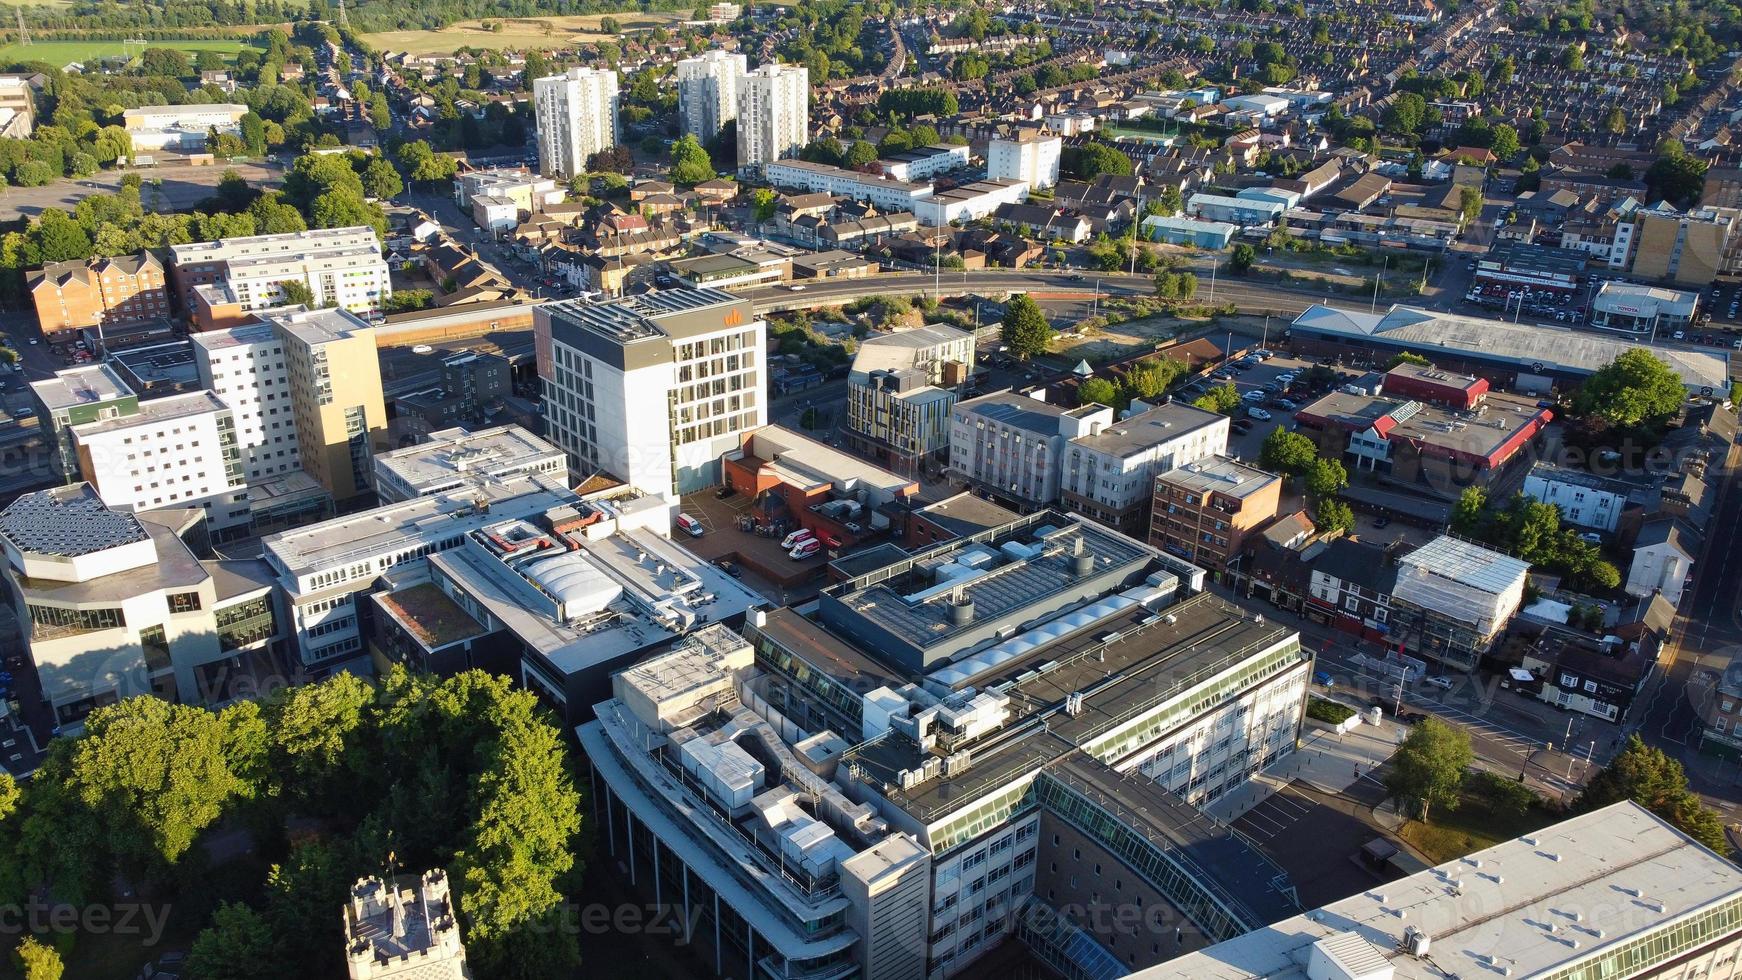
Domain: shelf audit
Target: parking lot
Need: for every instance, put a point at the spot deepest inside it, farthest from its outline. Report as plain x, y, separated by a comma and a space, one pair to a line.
760, 561
1263, 392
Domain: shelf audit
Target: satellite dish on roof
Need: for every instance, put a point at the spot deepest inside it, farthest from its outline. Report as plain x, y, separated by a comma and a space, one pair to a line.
1083, 370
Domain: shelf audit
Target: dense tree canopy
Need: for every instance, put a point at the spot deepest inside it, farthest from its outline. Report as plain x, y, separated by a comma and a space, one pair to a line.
1649, 777
1025, 329
1428, 769
1636, 388
138, 790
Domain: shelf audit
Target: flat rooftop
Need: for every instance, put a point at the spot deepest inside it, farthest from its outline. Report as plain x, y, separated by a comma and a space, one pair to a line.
1016, 411
1021, 569
1220, 474
315, 327
80, 386
966, 514
167, 364
803, 462
1164, 423
454, 454
1571, 893
156, 411
1141, 660
1517, 345
409, 523
1499, 423
246, 335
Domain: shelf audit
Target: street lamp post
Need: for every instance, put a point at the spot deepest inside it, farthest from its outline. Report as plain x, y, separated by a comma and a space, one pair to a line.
1376, 281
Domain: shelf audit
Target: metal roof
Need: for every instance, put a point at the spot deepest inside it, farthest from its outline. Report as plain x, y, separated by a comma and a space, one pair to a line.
68, 521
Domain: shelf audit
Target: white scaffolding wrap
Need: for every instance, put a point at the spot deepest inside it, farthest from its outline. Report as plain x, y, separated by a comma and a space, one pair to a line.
1462, 581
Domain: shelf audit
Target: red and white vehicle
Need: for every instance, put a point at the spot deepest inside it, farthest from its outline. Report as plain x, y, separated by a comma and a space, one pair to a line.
797, 538
805, 549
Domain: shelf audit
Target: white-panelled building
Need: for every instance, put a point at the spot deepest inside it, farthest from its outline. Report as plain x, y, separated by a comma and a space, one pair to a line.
773, 114
1032, 157
177, 451
707, 92
654, 389
245, 367
577, 117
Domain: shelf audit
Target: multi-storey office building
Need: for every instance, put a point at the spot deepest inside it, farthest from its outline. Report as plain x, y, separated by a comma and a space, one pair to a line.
340, 266
325, 570
1204, 511
1627, 895
76, 396
115, 604
1009, 446
1109, 474
451, 458
773, 114
901, 391
653, 389
886, 193
177, 451
246, 367
333, 377
577, 117
707, 92
558, 599
1026, 710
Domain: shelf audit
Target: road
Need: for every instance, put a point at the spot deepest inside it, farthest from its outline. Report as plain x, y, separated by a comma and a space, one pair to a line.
166, 188
1705, 640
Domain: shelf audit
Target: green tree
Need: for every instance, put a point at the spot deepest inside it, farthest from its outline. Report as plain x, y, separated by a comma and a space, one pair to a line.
38, 961
689, 163
1428, 769
1615, 121
1098, 390
1222, 398
1573, 58
1094, 159
1470, 203
1333, 515
1405, 114
1407, 357
1506, 796
1325, 478
860, 154
1241, 258
1287, 452
1677, 177
1650, 778
1634, 389
296, 292
154, 775
762, 202
253, 130
1168, 202
1506, 144
238, 945
164, 63
1603, 575
1025, 330
59, 238
381, 180
1469, 514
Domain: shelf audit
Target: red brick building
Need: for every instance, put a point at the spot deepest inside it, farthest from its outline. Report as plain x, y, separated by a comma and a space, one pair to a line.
125, 289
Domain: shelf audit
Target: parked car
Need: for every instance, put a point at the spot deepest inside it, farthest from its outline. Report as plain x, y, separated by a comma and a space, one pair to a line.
1258, 413
729, 568
1253, 396
1323, 679
796, 538
1440, 681
689, 525
1287, 404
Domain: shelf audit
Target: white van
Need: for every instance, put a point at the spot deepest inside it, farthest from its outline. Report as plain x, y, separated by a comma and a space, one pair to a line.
689, 525
796, 538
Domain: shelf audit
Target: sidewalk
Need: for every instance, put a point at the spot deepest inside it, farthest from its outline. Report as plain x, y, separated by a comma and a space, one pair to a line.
1325, 760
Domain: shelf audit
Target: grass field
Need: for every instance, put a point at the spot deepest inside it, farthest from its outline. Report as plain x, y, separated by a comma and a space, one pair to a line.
1474, 825
67, 52
519, 33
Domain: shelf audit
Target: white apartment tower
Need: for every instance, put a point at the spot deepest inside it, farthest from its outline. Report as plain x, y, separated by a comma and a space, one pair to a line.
1032, 158
773, 114
179, 451
655, 389
707, 92
245, 367
577, 117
